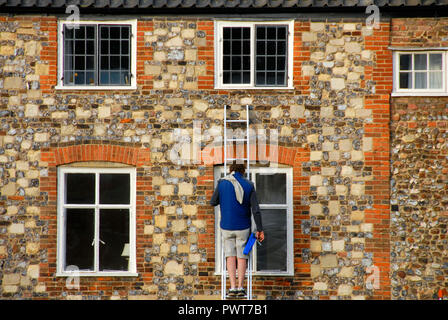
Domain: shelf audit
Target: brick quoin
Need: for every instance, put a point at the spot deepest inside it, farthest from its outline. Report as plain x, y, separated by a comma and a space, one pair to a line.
378, 158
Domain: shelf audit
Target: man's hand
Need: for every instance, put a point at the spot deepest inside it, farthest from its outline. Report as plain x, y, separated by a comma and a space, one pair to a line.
260, 236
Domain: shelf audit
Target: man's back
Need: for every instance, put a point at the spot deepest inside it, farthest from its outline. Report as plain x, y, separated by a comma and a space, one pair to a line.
234, 216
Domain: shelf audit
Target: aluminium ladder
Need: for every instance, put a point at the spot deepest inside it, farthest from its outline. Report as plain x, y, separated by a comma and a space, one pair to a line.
247, 160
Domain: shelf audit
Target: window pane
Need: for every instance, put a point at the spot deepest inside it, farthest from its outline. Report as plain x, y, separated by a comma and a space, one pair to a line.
261, 47
115, 55
79, 63
270, 78
405, 80
114, 236
435, 61
104, 48
236, 47
271, 255
68, 33
90, 62
90, 47
226, 47
261, 78
420, 61
115, 188
115, 78
271, 47
236, 54
226, 77
281, 47
90, 32
420, 80
236, 77
114, 63
125, 47
80, 33
79, 251
80, 47
114, 47
271, 188
90, 78
405, 61
114, 32
281, 79
80, 188
271, 55
80, 77
435, 80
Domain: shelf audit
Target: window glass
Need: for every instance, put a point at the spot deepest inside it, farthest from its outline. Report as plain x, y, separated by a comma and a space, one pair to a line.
79, 237
114, 235
270, 55
114, 188
405, 61
271, 254
80, 188
266, 193
236, 55
97, 54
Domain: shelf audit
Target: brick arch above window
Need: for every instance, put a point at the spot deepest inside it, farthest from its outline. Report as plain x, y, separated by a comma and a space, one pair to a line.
290, 156
134, 156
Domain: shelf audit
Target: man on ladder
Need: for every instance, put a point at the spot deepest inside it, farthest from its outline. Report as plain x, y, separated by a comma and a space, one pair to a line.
237, 198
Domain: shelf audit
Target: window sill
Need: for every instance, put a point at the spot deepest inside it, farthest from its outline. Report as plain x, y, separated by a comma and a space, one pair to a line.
97, 274
104, 88
419, 94
254, 88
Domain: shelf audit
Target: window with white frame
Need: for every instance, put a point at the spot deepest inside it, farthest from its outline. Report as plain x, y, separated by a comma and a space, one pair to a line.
96, 221
274, 191
96, 54
419, 72
254, 54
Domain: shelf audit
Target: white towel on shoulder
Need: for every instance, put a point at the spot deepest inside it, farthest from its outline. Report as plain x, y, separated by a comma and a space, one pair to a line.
239, 191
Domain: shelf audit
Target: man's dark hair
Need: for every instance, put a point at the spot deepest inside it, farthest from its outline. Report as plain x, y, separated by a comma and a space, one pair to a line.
238, 167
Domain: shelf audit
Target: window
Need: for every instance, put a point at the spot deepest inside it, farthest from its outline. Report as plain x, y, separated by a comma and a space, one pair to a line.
420, 72
93, 54
274, 191
96, 221
254, 55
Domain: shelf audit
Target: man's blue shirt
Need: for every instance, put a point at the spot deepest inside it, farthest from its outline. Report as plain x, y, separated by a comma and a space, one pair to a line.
236, 216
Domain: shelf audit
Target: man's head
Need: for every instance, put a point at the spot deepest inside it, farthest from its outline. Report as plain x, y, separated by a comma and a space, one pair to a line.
238, 167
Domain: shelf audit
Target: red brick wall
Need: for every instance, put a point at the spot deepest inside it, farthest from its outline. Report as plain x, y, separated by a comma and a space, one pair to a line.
378, 157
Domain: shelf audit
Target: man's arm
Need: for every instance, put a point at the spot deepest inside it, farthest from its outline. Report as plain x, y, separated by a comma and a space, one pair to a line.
214, 201
255, 207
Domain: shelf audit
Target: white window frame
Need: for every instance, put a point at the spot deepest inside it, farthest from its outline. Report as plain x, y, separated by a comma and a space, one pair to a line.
219, 25
218, 170
132, 271
133, 63
418, 92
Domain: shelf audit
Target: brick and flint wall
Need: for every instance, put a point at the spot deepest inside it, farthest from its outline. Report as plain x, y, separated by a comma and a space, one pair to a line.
334, 131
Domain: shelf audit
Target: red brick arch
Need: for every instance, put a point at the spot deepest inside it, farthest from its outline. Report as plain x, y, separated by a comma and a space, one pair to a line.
96, 152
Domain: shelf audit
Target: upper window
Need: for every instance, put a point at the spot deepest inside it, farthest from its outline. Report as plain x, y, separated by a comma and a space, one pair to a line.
254, 55
96, 221
275, 255
420, 72
93, 54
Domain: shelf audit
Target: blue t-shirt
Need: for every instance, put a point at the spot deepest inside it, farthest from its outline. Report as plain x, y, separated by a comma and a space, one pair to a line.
235, 216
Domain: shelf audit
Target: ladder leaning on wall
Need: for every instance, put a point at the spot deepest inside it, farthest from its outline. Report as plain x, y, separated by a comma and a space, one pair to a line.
245, 159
